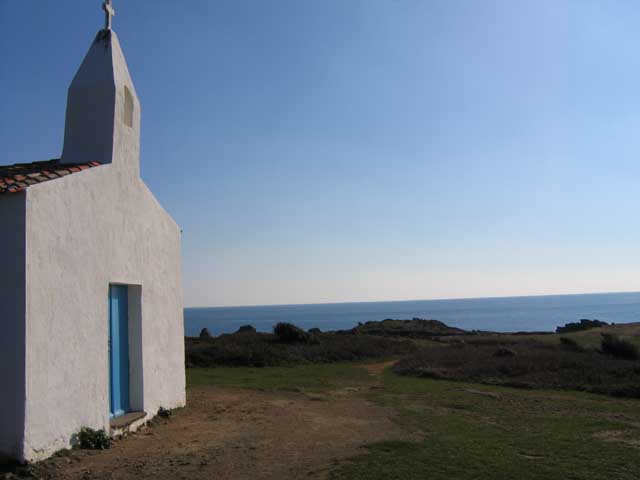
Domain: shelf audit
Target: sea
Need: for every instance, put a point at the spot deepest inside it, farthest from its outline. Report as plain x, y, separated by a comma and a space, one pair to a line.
504, 314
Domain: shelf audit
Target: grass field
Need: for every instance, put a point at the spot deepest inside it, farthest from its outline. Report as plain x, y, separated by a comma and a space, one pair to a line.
313, 378
586, 338
469, 431
473, 431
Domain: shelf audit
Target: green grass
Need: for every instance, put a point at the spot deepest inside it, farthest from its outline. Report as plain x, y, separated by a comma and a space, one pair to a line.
455, 433
591, 338
586, 338
304, 377
523, 434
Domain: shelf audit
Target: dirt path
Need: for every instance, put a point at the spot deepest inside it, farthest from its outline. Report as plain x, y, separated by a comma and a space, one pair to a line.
232, 434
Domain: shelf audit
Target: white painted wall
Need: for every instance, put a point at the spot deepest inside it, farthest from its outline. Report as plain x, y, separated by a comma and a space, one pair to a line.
12, 346
83, 232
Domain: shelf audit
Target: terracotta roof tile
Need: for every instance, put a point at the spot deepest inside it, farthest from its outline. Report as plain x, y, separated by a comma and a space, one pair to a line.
15, 178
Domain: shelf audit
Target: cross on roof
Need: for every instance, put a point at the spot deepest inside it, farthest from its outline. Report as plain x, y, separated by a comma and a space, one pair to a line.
109, 13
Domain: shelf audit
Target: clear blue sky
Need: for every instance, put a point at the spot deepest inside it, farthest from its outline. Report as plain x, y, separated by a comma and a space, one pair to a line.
336, 150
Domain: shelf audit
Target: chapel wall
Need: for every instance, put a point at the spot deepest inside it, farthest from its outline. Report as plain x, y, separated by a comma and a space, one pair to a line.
85, 231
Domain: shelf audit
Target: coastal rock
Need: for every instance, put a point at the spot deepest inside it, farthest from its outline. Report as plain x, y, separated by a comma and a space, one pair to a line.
247, 329
414, 328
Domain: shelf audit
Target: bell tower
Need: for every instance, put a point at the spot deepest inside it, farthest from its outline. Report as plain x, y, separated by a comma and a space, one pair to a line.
103, 111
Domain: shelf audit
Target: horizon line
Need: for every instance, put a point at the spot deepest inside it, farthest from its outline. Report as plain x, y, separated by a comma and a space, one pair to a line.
412, 300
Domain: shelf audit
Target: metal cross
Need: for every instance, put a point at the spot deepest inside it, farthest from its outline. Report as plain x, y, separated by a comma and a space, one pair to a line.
109, 13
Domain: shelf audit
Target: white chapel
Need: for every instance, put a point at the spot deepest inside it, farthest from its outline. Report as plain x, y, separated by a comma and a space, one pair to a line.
91, 293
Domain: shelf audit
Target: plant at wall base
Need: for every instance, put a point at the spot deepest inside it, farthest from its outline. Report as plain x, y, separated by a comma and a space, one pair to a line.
164, 413
91, 439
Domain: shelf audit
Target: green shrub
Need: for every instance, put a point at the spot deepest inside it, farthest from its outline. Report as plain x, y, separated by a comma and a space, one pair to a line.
584, 324
266, 349
536, 365
571, 344
289, 333
164, 413
619, 348
91, 439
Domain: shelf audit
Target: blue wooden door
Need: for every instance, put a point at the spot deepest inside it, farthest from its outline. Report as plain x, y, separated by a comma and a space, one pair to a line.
118, 350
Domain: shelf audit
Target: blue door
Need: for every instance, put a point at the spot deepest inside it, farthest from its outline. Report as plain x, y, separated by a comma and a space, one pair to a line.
118, 350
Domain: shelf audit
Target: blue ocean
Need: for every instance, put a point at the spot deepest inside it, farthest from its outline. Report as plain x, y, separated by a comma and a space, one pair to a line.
506, 314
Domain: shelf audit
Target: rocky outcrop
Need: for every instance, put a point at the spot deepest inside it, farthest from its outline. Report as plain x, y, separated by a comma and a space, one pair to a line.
415, 328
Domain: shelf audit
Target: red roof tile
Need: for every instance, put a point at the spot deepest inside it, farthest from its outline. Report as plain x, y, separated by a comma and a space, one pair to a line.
15, 178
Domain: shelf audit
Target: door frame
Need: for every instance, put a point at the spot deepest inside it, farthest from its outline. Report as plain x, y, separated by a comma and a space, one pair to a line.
118, 352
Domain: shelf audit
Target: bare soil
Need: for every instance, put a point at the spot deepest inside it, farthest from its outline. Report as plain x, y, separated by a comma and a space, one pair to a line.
234, 434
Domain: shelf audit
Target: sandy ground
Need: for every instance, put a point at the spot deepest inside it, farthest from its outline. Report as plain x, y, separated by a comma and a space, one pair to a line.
232, 434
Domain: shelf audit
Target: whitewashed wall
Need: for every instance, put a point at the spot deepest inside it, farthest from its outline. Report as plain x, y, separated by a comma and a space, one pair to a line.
83, 232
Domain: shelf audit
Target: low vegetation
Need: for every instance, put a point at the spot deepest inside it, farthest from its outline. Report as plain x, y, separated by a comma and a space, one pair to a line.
571, 344
599, 360
90, 439
619, 348
288, 346
288, 333
204, 333
584, 324
531, 364
165, 413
